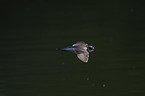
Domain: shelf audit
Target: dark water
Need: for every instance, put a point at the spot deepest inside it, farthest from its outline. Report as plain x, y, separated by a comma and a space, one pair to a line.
32, 30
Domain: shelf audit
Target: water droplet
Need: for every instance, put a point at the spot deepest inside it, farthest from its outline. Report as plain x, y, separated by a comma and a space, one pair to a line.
104, 85
87, 78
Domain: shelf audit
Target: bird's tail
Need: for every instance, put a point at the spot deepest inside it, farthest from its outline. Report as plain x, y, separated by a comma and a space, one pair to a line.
66, 49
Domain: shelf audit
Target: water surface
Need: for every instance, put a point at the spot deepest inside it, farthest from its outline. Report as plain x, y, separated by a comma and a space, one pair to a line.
31, 65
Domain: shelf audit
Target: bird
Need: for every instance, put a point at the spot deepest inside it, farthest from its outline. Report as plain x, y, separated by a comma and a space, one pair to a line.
81, 49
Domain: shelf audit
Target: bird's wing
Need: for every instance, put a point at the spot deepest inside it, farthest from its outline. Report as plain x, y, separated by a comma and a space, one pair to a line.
84, 56
79, 43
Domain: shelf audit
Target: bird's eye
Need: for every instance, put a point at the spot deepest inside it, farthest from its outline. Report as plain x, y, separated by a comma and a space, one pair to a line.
90, 48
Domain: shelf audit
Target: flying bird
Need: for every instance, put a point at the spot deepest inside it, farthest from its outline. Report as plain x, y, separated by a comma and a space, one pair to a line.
81, 49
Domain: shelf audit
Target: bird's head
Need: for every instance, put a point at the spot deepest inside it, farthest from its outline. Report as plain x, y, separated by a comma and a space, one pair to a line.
90, 48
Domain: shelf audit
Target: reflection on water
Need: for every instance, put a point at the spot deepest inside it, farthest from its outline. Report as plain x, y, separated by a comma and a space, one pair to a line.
31, 65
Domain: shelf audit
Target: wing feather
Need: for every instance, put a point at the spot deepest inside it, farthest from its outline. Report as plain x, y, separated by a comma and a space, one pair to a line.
84, 56
79, 43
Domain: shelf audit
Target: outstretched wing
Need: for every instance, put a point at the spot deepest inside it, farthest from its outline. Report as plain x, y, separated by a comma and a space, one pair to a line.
83, 56
81, 51
79, 43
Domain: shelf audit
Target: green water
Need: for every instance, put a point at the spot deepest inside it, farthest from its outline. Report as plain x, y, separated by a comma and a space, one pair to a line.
31, 65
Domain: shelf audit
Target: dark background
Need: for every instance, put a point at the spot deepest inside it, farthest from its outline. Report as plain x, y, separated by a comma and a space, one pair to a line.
31, 30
